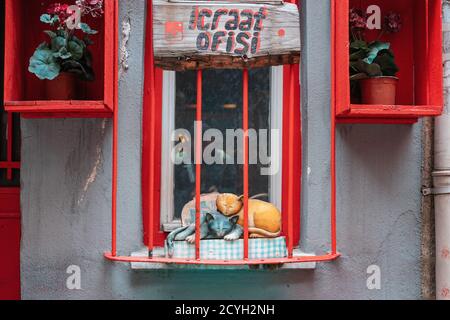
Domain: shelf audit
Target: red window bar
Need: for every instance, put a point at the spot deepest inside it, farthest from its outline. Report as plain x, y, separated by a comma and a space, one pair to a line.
151, 141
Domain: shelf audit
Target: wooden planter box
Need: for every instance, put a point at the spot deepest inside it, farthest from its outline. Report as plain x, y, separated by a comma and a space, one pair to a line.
418, 51
25, 93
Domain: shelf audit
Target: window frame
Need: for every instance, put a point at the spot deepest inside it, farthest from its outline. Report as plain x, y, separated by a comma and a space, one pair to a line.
154, 164
167, 220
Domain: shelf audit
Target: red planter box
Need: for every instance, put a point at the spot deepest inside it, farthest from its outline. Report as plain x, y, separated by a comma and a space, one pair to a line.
418, 51
25, 93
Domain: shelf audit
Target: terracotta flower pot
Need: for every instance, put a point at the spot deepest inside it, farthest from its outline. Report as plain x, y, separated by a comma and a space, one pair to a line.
62, 88
379, 90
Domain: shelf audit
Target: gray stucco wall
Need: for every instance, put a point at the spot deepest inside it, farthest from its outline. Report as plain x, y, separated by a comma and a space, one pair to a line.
66, 174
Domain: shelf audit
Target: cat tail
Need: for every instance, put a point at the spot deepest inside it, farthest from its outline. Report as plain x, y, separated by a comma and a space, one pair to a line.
260, 195
171, 238
256, 196
264, 233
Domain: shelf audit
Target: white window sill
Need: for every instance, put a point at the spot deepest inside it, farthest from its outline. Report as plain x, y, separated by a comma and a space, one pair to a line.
160, 252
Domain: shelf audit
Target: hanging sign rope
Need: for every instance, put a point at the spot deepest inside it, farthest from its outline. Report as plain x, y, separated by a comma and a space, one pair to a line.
228, 34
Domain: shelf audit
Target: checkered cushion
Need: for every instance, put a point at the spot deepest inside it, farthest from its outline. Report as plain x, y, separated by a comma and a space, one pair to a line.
232, 250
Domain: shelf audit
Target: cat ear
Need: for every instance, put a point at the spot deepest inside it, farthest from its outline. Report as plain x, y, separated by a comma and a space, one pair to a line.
209, 217
234, 219
241, 198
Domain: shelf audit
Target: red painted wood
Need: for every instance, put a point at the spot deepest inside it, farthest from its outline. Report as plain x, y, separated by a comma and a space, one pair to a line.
61, 115
24, 92
420, 90
151, 160
9, 165
245, 146
295, 175
355, 120
290, 161
9, 146
198, 161
322, 258
10, 243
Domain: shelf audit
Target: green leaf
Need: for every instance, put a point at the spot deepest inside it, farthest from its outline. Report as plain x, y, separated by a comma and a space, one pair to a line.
374, 48
58, 43
386, 60
359, 76
75, 49
78, 41
46, 18
78, 68
86, 29
63, 54
43, 64
88, 41
358, 55
62, 33
359, 44
371, 70
51, 34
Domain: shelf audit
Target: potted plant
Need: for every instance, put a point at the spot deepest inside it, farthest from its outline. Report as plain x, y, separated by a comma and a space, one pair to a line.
372, 64
66, 57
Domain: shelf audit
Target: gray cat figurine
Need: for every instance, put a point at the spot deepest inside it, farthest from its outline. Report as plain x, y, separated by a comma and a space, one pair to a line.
213, 225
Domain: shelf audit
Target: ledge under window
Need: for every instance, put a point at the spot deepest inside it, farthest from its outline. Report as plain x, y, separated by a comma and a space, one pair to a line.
160, 252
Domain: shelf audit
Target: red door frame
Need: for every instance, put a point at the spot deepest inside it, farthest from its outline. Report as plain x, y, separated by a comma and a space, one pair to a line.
10, 243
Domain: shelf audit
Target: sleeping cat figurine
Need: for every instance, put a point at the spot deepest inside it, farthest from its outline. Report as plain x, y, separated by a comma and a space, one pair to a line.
264, 219
213, 225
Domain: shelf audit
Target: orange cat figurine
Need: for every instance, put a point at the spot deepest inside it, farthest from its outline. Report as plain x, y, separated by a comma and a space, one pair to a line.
264, 219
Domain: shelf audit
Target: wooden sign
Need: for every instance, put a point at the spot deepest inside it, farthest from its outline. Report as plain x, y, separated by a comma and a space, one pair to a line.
225, 34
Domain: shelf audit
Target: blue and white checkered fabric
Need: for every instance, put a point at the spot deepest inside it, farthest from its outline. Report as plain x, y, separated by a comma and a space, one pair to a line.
232, 250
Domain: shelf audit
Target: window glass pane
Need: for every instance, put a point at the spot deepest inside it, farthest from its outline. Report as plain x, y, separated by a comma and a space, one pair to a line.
222, 110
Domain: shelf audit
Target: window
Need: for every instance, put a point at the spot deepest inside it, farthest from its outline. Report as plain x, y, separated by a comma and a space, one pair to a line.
270, 95
275, 80
222, 110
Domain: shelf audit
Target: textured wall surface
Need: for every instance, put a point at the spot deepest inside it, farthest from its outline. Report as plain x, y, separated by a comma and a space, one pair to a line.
66, 174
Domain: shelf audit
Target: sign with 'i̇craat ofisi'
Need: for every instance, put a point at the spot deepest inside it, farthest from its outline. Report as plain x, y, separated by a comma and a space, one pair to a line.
225, 34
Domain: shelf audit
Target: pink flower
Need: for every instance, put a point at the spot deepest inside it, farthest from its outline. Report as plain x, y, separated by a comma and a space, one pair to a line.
59, 10
393, 22
358, 19
91, 7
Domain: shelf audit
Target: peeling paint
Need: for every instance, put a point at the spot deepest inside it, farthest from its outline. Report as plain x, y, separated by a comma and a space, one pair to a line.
445, 292
445, 253
97, 164
124, 53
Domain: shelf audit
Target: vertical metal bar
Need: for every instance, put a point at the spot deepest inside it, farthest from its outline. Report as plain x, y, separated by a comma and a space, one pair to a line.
333, 141
9, 144
291, 148
114, 186
246, 156
198, 163
152, 135
115, 149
